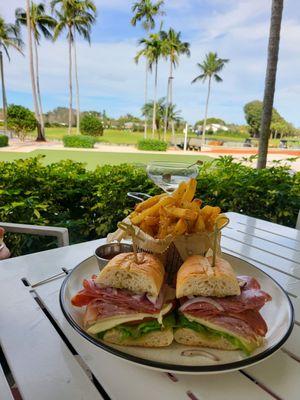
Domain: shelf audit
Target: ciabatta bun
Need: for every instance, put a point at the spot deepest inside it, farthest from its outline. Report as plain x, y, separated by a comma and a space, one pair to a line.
189, 337
152, 339
123, 272
196, 277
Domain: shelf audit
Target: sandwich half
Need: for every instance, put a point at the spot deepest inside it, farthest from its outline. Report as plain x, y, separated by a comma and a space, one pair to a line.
128, 303
218, 309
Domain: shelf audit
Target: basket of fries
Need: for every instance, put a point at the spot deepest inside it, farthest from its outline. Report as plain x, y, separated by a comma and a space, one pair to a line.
173, 227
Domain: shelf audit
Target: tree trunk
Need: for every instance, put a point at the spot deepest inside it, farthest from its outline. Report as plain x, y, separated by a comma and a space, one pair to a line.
77, 87
32, 74
168, 100
270, 81
171, 101
70, 81
4, 102
206, 110
154, 127
41, 135
146, 98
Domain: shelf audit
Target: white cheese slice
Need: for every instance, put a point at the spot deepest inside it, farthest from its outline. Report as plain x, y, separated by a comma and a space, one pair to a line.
109, 323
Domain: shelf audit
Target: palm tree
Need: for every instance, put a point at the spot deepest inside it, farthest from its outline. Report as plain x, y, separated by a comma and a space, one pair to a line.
146, 12
154, 50
9, 37
174, 48
74, 16
273, 49
173, 113
210, 68
41, 24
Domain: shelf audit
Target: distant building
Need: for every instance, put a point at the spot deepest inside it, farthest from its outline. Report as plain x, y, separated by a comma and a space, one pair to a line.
214, 127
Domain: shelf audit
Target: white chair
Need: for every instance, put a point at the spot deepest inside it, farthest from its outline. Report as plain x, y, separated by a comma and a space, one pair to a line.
62, 234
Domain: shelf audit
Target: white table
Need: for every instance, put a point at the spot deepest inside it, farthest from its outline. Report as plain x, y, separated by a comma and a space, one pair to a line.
49, 360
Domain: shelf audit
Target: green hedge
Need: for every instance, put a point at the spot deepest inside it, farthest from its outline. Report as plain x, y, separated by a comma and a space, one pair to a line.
90, 203
152, 144
3, 141
87, 142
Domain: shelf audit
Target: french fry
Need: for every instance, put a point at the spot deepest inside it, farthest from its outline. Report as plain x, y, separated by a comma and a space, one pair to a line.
147, 228
149, 202
182, 213
194, 205
190, 191
179, 192
152, 211
200, 224
164, 223
180, 227
151, 221
206, 212
211, 220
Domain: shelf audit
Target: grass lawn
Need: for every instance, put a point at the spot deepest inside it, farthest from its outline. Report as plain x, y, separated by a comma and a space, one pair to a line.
114, 136
92, 159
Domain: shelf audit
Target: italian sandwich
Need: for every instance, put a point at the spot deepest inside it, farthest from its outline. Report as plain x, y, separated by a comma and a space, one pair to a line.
218, 309
128, 303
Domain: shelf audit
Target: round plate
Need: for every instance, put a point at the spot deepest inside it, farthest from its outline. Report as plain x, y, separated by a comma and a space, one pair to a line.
278, 314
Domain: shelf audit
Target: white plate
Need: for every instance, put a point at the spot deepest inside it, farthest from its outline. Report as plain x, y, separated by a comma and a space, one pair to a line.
278, 314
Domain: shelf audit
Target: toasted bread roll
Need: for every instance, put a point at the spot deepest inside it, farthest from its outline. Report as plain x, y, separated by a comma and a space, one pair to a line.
152, 339
123, 272
189, 337
196, 277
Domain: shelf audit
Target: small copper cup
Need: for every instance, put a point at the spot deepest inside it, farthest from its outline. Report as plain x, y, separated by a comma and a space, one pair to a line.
106, 252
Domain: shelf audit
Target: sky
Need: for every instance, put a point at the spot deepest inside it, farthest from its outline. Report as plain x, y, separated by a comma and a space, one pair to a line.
110, 80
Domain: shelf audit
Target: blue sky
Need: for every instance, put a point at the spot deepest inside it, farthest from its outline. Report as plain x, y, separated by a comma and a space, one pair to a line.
110, 80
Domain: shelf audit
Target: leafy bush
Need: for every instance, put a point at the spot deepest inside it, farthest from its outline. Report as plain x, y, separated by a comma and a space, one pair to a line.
21, 120
91, 125
87, 142
272, 194
152, 144
3, 141
90, 203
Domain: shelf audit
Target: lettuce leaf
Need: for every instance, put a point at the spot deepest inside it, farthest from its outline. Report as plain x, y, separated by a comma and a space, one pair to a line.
140, 329
210, 333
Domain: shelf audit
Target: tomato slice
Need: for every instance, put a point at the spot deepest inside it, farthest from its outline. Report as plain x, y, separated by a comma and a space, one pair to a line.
80, 299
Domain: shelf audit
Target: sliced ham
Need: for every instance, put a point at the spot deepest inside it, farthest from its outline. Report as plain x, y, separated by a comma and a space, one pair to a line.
119, 297
249, 320
251, 298
97, 309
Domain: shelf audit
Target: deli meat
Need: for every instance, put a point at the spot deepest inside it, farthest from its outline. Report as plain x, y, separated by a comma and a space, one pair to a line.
123, 299
97, 309
251, 298
249, 320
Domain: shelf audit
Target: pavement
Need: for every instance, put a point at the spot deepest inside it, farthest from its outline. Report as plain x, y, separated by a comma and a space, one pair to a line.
213, 151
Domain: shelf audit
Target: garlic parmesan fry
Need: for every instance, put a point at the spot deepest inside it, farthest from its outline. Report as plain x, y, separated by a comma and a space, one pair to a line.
152, 211
182, 213
190, 191
149, 202
180, 227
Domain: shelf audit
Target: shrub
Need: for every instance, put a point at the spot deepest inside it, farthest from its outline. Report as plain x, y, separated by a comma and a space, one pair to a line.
90, 203
3, 141
87, 142
152, 144
21, 120
91, 125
